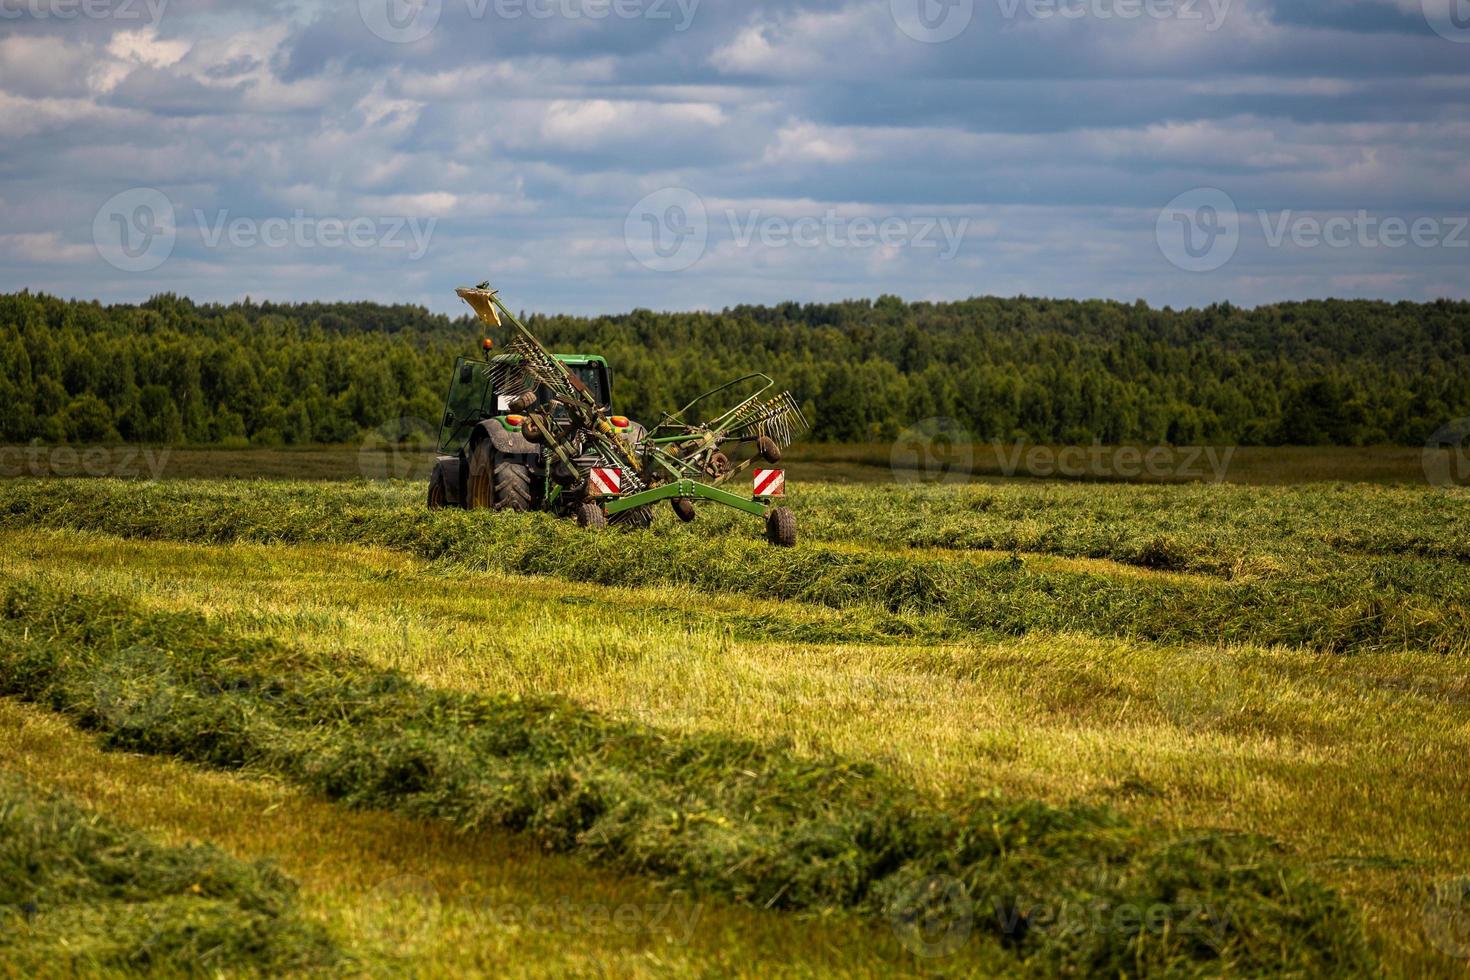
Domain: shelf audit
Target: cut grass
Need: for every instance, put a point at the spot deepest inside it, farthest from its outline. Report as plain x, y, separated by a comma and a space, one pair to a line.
490, 905
1275, 741
82, 894
1360, 607
716, 815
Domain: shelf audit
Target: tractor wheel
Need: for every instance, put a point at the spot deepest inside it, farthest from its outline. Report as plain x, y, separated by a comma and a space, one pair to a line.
438, 497
781, 527
634, 520
480, 493
512, 484
683, 509
769, 451
591, 515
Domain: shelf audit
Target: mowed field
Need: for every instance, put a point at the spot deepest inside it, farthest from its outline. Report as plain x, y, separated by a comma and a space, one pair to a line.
1014, 727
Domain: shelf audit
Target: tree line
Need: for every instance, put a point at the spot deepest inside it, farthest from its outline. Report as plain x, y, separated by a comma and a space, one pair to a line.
1310, 373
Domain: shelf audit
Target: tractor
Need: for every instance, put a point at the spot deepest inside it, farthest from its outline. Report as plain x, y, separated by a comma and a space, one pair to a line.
529, 430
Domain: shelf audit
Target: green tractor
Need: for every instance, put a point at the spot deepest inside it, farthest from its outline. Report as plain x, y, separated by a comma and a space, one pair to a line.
530, 430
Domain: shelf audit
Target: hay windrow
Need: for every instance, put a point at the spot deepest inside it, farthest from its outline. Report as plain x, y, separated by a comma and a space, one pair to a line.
708, 814
81, 894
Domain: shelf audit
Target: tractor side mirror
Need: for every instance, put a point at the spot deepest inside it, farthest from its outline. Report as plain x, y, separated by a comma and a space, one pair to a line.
448, 419
466, 374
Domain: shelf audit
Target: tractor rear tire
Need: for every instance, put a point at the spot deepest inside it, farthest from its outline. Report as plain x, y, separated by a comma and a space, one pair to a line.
480, 488
438, 495
512, 484
637, 519
591, 515
683, 509
781, 527
769, 451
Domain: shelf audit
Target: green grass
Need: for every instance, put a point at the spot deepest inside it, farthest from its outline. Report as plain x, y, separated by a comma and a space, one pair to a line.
82, 894
714, 815
878, 644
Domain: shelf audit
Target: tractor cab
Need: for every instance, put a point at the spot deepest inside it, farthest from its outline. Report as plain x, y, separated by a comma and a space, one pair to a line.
472, 400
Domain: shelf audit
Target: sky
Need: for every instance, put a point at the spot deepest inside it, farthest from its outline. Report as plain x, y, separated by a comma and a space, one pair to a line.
595, 156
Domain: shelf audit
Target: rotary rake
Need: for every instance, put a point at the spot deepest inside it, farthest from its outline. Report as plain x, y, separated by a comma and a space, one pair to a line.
604, 468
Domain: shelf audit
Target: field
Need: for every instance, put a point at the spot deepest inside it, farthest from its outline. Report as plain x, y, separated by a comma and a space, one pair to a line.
1002, 726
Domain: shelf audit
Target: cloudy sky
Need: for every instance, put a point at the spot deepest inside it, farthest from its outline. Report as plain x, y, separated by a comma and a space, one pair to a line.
598, 155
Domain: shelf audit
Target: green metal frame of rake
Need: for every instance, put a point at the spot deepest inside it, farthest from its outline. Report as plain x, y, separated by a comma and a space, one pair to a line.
686, 453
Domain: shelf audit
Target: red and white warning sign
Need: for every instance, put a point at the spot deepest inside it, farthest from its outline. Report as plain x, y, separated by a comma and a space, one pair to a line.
605, 481
770, 483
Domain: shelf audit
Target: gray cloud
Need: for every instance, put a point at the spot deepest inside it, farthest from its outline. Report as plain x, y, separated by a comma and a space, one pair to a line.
526, 140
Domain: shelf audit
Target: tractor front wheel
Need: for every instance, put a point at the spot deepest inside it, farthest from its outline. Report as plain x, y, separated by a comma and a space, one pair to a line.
781, 527
480, 493
512, 484
591, 515
438, 496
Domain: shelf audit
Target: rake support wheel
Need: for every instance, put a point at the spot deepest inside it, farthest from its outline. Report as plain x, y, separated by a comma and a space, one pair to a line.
781, 527
683, 509
591, 515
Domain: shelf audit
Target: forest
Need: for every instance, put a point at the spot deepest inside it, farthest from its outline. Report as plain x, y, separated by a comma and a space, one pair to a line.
1330, 372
